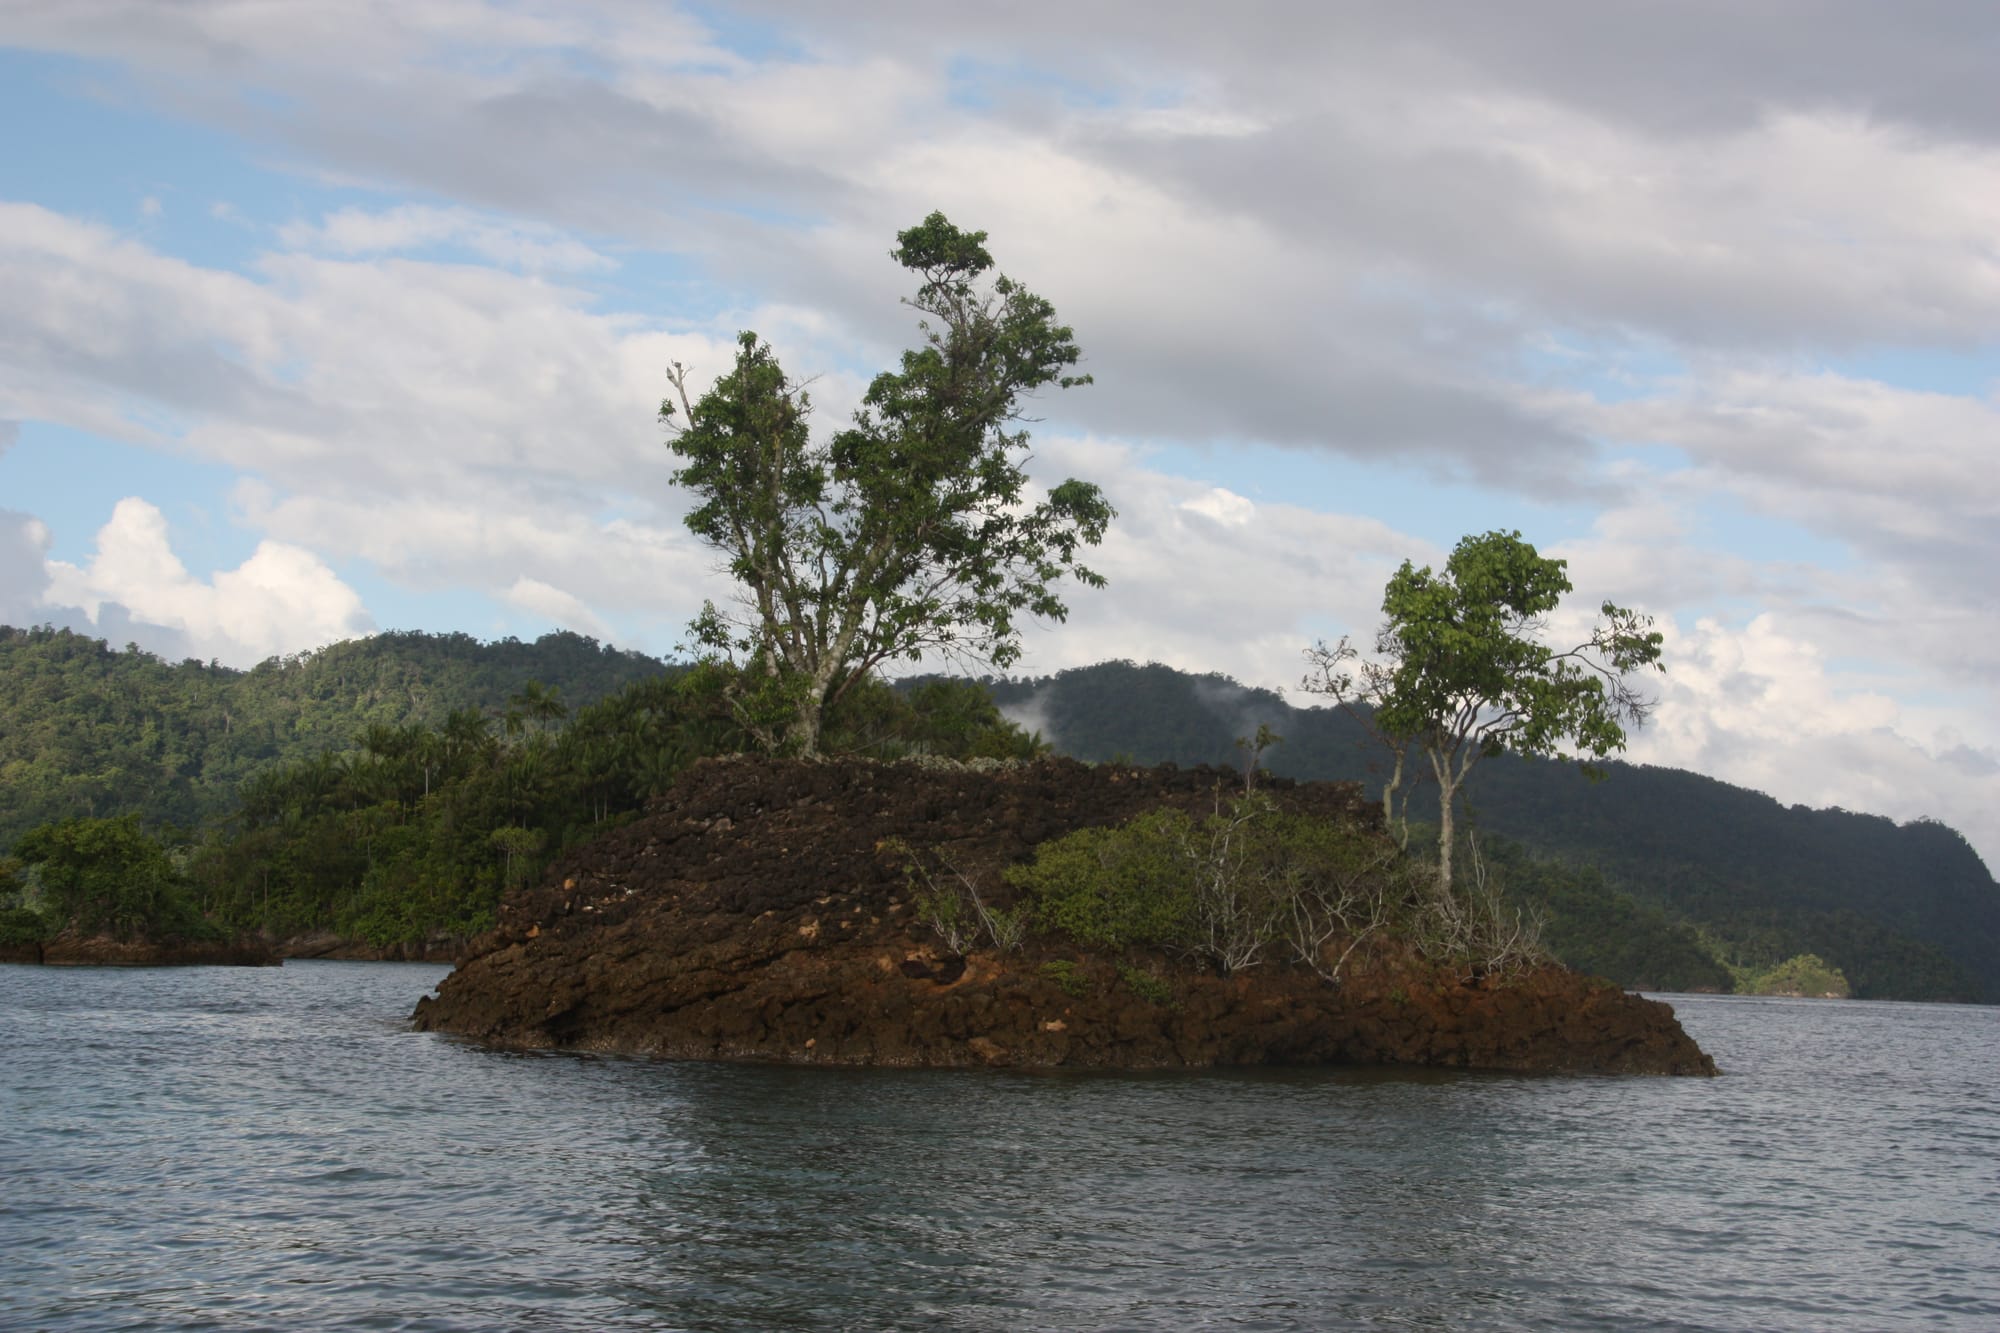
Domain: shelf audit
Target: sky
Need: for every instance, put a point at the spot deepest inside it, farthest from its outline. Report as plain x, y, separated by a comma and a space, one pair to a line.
321, 318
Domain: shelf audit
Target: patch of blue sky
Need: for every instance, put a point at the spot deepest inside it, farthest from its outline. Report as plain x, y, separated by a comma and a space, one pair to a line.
978, 85
397, 606
1721, 522
670, 291
1734, 609
1653, 457
1315, 626
1609, 369
72, 480
1972, 372
656, 636
736, 31
84, 142
1436, 510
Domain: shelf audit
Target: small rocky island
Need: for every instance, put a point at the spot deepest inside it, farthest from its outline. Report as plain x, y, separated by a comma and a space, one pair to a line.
797, 912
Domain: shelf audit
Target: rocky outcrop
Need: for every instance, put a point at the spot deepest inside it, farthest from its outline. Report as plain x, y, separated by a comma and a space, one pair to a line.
762, 911
68, 949
346, 949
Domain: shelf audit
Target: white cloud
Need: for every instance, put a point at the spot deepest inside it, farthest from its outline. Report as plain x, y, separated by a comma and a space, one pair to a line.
1761, 705
564, 608
24, 548
1223, 505
282, 599
414, 227
438, 420
1244, 595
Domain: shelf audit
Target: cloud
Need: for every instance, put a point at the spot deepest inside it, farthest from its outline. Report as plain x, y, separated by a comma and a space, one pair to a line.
1900, 473
1891, 486
442, 421
282, 599
1551, 252
24, 548
1758, 703
412, 227
1206, 580
565, 609
1223, 506
1333, 230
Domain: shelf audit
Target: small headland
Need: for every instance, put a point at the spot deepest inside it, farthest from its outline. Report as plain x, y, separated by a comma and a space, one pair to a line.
71, 949
778, 910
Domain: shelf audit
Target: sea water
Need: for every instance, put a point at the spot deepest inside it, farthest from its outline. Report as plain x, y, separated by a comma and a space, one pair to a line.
220, 1148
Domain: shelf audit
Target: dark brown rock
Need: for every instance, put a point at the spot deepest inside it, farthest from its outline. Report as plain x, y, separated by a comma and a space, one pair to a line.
326, 945
762, 911
69, 949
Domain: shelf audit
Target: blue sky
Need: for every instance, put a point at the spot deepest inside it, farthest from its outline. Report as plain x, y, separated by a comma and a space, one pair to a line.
334, 317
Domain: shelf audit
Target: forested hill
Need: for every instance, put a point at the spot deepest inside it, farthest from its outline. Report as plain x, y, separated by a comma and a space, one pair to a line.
1657, 878
1908, 911
86, 729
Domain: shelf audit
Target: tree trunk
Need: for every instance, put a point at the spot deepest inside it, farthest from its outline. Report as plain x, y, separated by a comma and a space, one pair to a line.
1447, 790
1397, 825
804, 731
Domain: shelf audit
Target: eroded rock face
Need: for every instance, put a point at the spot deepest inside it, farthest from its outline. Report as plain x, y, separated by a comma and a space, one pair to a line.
760, 912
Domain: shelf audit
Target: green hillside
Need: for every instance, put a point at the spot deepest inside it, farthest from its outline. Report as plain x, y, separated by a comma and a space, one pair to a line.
387, 791
87, 730
1905, 911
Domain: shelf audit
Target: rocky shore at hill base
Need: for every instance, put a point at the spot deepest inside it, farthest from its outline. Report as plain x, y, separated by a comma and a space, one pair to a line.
330, 947
69, 949
762, 910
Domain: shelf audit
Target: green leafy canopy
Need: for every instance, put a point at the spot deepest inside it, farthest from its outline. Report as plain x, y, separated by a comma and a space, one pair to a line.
910, 531
1462, 671
1469, 667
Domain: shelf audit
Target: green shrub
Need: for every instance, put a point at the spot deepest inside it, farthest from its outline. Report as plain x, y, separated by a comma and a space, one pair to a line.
1805, 974
1112, 888
1224, 887
948, 900
1150, 988
1066, 975
20, 926
110, 876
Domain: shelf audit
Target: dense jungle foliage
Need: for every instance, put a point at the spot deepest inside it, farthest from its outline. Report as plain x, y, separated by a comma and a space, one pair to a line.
411, 823
88, 730
389, 789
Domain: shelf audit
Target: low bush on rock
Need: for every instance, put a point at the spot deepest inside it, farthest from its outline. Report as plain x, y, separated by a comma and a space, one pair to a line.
1230, 888
1250, 881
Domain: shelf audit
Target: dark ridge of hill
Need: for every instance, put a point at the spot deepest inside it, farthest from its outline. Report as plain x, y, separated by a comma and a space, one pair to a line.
1906, 911
88, 730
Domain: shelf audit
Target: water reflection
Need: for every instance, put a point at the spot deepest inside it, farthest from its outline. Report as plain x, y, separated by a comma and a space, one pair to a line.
271, 1148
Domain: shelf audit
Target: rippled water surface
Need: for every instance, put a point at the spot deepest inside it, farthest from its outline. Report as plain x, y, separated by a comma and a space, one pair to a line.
269, 1148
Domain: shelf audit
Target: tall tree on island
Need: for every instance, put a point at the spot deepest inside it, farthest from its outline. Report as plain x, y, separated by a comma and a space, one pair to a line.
1462, 672
909, 531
